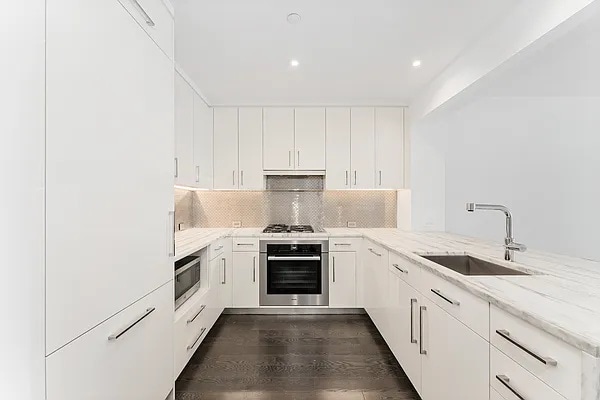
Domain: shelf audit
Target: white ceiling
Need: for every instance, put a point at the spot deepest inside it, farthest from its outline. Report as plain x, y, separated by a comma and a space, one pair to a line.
350, 51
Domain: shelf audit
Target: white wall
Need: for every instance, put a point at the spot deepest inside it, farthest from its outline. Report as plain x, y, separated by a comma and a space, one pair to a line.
22, 27
538, 156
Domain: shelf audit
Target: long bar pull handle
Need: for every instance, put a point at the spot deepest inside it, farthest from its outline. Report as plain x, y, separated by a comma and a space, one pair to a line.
143, 12
191, 346
443, 296
374, 252
400, 269
380, 178
176, 167
505, 380
242, 178
333, 262
354, 177
120, 333
197, 173
254, 269
544, 360
289, 158
233, 178
172, 233
224, 271
298, 161
412, 321
189, 321
421, 347
346, 177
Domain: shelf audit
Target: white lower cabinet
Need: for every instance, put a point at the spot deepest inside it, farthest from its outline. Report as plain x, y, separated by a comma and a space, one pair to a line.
375, 276
127, 357
245, 279
342, 279
455, 359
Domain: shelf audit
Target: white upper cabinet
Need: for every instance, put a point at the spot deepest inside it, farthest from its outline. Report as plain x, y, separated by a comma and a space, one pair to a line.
226, 148
109, 167
362, 128
203, 144
389, 148
250, 148
310, 138
338, 148
278, 138
184, 132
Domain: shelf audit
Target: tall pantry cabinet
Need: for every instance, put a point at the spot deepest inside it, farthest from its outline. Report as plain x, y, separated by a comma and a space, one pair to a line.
107, 195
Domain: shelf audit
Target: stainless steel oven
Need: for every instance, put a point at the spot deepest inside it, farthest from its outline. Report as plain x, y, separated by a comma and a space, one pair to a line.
294, 273
187, 278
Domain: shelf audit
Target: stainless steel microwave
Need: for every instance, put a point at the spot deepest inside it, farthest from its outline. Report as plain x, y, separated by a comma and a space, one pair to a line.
187, 279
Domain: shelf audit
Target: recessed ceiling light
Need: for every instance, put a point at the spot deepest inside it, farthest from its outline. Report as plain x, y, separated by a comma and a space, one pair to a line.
416, 63
294, 63
294, 18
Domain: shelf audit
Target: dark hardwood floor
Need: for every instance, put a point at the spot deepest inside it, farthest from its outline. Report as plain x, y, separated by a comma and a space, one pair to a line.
296, 357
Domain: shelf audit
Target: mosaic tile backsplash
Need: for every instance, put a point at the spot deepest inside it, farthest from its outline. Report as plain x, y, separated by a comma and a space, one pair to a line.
331, 209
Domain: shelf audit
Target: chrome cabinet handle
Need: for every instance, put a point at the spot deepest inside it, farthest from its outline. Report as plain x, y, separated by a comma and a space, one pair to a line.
224, 272
120, 333
176, 167
189, 321
197, 173
219, 248
343, 244
172, 233
544, 360
354, 177
233, 177
399, 269
346, 177
191, 346
143, 12
505, 380
374, 252
244, 244
241, 178
412, 321
379, 178
298, 161
448, 299
421, 347
289, 158
254, 269
333, 259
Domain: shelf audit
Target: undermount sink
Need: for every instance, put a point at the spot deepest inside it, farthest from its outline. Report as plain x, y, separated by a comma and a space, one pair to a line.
468, 265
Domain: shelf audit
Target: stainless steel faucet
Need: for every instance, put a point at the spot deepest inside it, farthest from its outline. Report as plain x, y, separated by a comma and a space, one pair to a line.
510, 245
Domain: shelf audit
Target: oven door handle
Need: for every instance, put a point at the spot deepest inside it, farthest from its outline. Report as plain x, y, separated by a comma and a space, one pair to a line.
293, 258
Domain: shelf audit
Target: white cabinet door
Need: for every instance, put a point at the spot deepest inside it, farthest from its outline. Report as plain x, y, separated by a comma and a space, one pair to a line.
203, 144
342, 276
245, 279
250, 148
403, 321
215, 274
338, 148
456, 366
362, 126
376, 276
226, 280
117, 363
310, 138
278, 138
226, 148
184, 132
389, 148
109, 166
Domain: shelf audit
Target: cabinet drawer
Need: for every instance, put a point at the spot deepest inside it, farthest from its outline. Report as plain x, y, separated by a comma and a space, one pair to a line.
245, 244
110, 361
155, 19
537, 351
405, 270
511, 380
216, 248
191, 328
462, 305
344, 244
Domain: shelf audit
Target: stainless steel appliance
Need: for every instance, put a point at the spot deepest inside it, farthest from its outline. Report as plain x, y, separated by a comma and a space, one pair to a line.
280, 228
187, 279
294, 272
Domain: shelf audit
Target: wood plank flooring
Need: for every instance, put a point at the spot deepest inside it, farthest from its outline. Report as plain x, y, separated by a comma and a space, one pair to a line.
296, 357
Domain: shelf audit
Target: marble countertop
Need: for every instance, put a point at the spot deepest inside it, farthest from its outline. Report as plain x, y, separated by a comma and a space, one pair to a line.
562, 297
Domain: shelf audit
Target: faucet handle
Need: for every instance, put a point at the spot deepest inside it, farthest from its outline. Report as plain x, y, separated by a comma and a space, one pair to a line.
515, 246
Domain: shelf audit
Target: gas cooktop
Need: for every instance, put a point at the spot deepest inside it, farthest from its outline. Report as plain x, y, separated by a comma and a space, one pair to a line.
281, 228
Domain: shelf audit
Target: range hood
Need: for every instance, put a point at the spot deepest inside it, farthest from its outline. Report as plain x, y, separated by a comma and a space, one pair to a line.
295, 183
